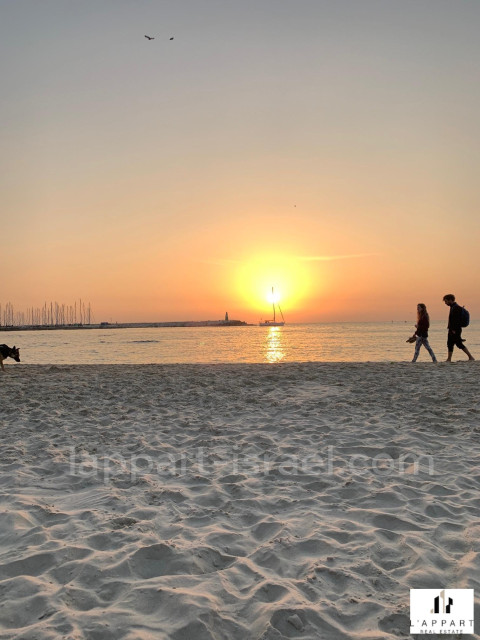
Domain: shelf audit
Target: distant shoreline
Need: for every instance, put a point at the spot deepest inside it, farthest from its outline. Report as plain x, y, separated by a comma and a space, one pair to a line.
131, 325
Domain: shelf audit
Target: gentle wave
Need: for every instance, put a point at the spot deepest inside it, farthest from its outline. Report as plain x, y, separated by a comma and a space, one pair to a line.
340, 342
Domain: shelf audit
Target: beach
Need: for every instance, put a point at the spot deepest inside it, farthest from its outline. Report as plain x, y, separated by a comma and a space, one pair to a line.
234, 501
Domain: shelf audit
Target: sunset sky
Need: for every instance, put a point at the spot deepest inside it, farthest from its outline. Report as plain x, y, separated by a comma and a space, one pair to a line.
327, 148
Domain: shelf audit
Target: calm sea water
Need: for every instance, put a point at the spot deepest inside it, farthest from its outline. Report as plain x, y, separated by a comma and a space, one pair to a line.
345, 342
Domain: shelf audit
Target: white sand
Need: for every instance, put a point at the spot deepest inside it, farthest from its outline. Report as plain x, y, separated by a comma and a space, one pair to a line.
253, 538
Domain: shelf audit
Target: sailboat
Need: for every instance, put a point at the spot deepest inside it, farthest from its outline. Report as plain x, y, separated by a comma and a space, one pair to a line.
274, 322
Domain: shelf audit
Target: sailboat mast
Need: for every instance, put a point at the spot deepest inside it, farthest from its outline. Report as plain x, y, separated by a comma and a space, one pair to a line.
273, 304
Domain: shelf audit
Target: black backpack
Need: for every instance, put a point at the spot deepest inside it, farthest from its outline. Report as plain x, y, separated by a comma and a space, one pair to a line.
464, 317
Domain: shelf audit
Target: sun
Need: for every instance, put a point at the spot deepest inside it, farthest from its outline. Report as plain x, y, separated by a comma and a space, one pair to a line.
273, 296
290, 279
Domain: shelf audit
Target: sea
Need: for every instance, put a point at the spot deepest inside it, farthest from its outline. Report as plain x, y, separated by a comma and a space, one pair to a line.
322, 342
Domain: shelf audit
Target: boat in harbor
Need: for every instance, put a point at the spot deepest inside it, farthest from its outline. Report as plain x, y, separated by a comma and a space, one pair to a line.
274, 322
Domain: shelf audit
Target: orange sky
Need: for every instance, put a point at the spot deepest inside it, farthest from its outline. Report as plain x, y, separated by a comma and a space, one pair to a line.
327, 149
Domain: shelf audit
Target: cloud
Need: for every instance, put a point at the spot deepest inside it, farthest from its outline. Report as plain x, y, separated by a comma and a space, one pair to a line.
219, 262
225, 262
329, 258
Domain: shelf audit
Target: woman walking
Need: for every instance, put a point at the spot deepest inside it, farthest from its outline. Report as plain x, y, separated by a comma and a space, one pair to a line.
421, 334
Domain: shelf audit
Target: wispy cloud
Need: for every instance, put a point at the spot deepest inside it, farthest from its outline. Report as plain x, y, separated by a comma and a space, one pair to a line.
224, 262
219, 262
329, 258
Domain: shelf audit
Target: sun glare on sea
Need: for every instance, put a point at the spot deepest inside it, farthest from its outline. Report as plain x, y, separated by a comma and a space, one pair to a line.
290, 279
274, 345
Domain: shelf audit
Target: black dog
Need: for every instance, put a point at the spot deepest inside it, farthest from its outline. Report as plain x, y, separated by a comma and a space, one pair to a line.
8, 352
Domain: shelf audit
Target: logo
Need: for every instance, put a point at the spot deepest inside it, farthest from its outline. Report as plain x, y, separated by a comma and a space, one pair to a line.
445, 608
441, 611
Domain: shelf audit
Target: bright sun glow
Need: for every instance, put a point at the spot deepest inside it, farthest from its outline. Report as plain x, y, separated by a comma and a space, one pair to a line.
273, 296
290, 279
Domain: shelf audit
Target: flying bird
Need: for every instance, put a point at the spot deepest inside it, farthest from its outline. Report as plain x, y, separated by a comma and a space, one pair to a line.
149, 38
171, 38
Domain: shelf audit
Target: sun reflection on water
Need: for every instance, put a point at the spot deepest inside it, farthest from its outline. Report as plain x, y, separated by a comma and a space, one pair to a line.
274, 345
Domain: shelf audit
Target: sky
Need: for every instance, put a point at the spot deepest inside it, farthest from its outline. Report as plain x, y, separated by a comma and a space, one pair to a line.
327, 148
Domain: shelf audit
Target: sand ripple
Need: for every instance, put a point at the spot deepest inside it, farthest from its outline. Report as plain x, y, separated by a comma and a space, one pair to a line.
212, 502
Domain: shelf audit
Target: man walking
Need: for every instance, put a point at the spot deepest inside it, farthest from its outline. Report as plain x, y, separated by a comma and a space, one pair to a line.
454, 338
